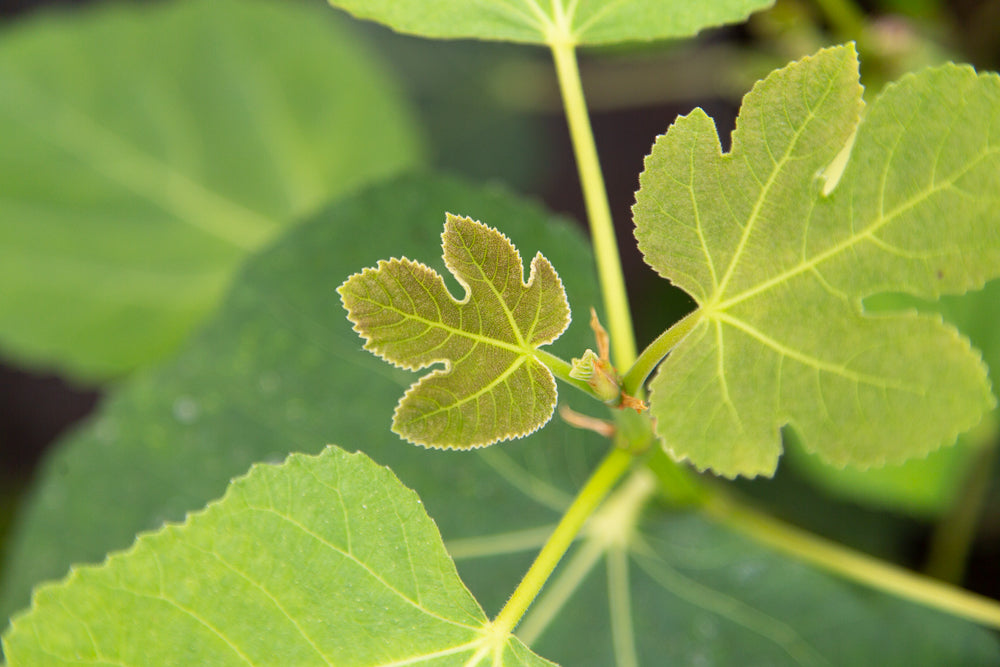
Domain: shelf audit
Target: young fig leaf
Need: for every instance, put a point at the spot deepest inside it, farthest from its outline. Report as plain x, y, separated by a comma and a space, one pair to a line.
779, 260
493, 386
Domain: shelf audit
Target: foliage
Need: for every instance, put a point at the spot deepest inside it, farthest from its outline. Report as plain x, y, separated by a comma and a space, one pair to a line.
147, 150
795, 245
162, 597
535, 22
779, 262
493, 386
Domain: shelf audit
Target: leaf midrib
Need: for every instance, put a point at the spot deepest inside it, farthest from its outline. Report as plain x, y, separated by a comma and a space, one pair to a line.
868, 232
485, 389
766, 188
818, 364
377, 576
511, 347
514, 327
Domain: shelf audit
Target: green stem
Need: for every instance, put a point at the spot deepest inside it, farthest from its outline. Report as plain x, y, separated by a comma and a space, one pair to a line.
614, 465
953, 536
595, 197
655, 351
845, 17
852, 565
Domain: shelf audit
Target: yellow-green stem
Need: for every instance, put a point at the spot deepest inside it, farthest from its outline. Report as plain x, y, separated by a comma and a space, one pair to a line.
607, 474
655, 351
845, 17
851, 564
953, 535
602, 231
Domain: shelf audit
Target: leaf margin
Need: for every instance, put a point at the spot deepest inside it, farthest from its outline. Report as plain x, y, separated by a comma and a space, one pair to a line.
528, 354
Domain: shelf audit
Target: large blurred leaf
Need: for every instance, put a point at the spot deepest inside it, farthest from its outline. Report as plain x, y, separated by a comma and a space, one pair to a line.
670, 588
551, 21
324, 560
145, 150
280, 368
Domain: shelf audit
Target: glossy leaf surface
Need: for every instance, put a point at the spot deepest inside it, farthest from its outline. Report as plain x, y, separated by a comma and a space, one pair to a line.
146, 150
493, 386
778, 250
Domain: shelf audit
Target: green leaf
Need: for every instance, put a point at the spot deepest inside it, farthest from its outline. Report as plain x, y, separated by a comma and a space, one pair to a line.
929, 486
145, 151
654, 587
493, 386
319, 561
779, 269
279, 368
550, 22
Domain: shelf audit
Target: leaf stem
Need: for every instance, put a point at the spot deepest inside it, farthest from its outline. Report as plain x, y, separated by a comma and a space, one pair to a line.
844, 16
851, 564
953, 536
610, 470
560, 368
655, 351
602, 230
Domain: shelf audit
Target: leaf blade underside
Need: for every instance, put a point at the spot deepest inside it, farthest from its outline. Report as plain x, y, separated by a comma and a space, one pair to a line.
492, 386
779, 268
579, 22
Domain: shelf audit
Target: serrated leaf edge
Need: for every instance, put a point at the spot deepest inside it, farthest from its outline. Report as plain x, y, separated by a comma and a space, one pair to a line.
547, 375
174, 527
948, 440
781, 422
527, 352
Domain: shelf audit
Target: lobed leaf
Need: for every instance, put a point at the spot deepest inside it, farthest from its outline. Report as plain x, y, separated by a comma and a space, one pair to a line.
323, 560
145, 151
279, 369
927, 487
493, 387
557, 21
779, 254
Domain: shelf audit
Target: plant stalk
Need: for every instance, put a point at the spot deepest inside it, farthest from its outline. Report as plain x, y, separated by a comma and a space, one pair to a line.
657, 350
954, 534
844, 16
602, 230
851, 564
607, 474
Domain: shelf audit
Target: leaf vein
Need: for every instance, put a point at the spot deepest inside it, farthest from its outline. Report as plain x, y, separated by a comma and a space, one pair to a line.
364, 566
817, 363
852, 240
765, 190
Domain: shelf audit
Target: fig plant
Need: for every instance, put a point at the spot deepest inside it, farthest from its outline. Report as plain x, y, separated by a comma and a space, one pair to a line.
601, 535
